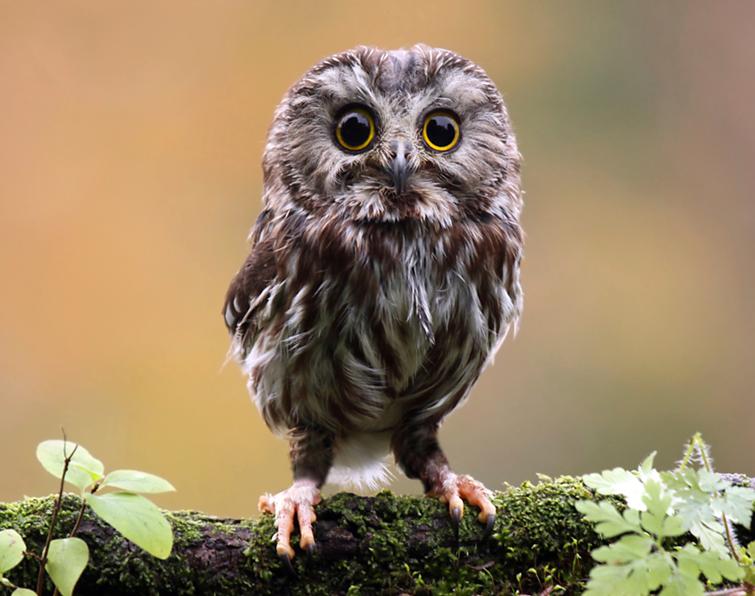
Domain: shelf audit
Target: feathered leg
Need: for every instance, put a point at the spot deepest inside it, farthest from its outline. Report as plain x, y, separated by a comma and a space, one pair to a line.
311, 458
419, 454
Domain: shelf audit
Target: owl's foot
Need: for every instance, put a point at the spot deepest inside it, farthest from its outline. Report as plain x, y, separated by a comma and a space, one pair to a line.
452, 489
297, 501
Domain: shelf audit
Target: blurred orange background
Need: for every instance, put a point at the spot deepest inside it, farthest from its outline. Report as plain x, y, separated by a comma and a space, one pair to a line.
130, 143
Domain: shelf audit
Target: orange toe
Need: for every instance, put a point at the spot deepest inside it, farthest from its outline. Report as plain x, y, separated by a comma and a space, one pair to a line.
455, 490
295, 504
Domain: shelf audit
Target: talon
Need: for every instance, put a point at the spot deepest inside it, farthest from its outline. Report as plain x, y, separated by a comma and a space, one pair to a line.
489, 522
284, 550
455, 488
456, 508
306, 516
307, 540
311, 549
285, 558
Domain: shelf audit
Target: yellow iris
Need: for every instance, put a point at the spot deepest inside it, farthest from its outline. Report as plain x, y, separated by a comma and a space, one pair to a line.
356, 129
441, 130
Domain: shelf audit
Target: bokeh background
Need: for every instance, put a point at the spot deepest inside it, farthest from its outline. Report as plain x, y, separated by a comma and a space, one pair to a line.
130, 142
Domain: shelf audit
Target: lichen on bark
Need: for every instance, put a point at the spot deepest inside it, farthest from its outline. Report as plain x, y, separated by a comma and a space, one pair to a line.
384, 544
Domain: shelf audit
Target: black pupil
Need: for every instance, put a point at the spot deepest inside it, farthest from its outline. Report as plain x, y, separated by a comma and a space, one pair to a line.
355, 129
441, 130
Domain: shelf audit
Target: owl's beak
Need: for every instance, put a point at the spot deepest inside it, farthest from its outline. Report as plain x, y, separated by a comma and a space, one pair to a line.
399, 168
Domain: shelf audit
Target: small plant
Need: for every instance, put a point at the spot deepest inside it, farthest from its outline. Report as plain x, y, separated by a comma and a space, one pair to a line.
137, 518
649, 554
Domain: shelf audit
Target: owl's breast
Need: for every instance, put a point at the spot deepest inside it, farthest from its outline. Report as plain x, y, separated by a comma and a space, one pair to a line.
354, 346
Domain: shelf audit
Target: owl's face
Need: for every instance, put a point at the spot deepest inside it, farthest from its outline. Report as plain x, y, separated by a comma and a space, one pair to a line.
379, 136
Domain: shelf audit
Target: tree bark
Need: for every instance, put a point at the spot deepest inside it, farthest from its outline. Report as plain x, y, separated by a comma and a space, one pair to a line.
366, 545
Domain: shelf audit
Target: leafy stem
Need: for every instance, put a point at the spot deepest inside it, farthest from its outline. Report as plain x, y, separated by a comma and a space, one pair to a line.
54, 518
82, 508
731, 541
689, 452
697, 445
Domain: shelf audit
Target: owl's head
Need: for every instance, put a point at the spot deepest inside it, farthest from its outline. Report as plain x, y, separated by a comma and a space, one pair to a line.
378, 136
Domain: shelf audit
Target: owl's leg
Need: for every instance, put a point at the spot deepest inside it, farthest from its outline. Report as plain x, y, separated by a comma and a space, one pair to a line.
311, 458
419, 454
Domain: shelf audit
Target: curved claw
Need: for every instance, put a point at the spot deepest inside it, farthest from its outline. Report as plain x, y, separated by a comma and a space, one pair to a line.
455, 488
285, 558
456, 509
489, 523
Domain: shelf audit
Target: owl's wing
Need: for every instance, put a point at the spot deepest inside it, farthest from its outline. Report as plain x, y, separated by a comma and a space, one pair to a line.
250, 286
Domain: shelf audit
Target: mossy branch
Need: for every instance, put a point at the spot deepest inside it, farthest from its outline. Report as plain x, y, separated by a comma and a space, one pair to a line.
383, 544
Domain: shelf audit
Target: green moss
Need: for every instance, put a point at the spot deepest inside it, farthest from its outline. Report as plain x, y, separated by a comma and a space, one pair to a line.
368, 545
406, 545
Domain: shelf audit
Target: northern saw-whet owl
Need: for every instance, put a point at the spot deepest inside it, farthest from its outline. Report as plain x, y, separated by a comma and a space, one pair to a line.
383, 274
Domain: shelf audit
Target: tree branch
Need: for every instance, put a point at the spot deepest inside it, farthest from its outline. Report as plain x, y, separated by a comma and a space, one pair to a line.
383, 544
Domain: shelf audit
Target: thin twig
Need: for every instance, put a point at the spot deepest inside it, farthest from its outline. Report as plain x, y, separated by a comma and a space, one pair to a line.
78, 518
55, 510
32, 555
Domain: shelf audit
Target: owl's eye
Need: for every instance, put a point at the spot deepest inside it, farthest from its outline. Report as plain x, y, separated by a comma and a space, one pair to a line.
355, 129
441, 130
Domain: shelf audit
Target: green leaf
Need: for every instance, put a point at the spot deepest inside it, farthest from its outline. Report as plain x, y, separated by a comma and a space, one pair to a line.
657, 499
137, 482
658, 518
628, 548
665, 505
728, 568
687, 558
635, 581
66, 560
652, 523
682, 585
12, 549
737, 503
23, 592
695, 508
606, 580
692, 561
711, 536
646, 467
701, 499
711, 482
137, 518
83, 469
639, 576
618, 482
660, 568
673, 526
609, 521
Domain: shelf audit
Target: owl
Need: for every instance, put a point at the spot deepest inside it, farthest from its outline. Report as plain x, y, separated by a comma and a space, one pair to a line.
383, 273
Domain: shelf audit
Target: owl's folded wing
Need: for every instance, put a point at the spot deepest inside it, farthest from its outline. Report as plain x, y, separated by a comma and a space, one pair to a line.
250, 287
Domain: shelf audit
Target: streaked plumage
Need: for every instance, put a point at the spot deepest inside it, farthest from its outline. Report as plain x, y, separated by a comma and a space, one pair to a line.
367, 308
